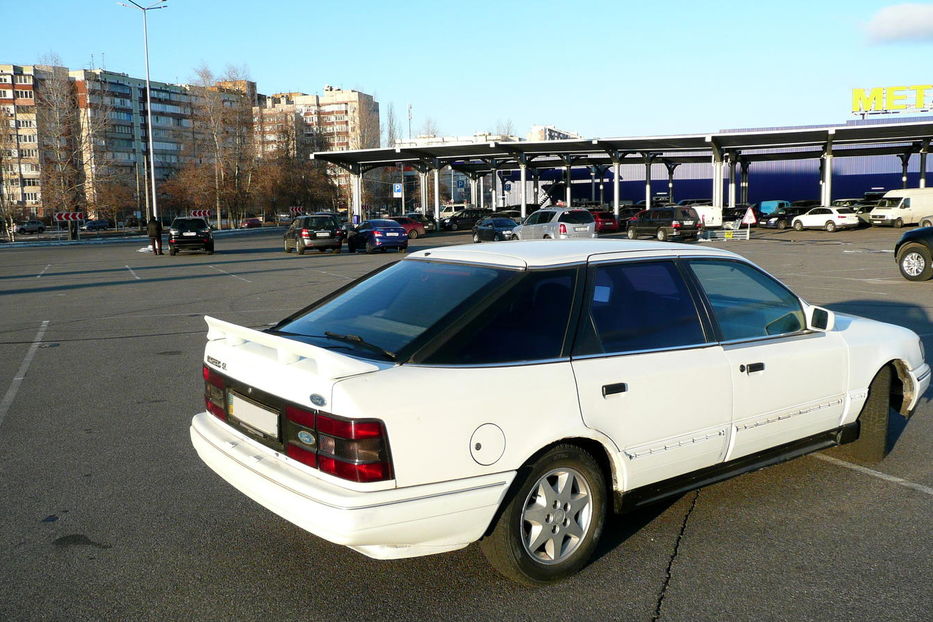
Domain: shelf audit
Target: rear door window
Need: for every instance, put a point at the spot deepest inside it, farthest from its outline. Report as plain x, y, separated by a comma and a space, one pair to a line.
637, 306
576, 217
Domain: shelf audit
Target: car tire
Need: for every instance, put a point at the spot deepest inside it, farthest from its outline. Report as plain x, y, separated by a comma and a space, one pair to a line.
798, 226
454, 226
531, 523
476, 239
210, 250
661, 235
781, 224
370, 247
172, 251
926, 223
898, 223
631, 233
413, 235
872, 444
915, 262
300, 246
497, 237
830, 226
285, 246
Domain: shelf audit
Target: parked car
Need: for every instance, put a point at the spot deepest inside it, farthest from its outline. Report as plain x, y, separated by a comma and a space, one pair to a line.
514, 215
95, 225
557, 224
829, 218
413, 228
606, 222
427, 220
464, 219
783, 217
250, 223
190, 234
903, 207
358, 418
665, 223
914, 254
493, 229
317, 231
377, 234
692, 202
30, 226
806, 204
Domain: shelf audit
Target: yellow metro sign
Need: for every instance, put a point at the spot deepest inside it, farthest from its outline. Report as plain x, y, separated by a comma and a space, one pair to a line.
892, 99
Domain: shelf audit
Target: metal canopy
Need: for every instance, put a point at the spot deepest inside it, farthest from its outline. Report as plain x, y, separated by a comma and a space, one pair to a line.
719, 149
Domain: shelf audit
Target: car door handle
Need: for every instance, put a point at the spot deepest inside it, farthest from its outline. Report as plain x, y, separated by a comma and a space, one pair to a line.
752, 367
612, 389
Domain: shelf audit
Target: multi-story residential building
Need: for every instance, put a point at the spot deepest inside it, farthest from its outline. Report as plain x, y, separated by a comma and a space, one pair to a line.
549, 132
337, 119
20, 150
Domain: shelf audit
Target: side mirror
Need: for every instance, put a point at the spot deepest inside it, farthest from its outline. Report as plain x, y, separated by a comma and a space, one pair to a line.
819, 318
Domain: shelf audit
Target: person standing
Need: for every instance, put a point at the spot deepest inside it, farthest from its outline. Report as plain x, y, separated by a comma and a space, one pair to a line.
155, 235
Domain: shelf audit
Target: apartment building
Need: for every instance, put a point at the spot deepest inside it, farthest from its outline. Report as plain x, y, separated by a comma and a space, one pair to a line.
20, 156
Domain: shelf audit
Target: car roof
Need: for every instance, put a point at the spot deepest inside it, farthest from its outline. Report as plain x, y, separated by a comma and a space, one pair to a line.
541, 253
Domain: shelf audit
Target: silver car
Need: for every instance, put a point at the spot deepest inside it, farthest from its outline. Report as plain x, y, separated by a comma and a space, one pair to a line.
556, 224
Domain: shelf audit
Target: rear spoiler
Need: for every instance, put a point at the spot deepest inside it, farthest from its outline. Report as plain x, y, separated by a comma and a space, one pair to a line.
323, 362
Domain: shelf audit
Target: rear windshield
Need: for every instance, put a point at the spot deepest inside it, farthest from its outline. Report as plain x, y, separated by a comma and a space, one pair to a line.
503, 222
576, 217
189, 224
845, 210
319, 222
392, 308
383, 223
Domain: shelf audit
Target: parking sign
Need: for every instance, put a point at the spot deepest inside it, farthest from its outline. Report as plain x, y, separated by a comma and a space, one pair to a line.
397, 191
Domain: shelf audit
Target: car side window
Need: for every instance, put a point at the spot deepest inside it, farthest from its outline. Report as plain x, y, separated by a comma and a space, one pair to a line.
746, 302
527, 322
637, 306
905, 203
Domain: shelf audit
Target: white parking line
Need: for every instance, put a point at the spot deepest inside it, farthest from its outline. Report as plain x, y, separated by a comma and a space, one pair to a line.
228, 274
21, 373
135, 276
888, 478
43, 271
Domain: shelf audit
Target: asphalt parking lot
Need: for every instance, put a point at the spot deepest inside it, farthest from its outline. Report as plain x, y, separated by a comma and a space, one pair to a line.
110, 515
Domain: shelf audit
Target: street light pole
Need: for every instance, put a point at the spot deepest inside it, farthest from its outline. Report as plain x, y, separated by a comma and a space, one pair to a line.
159, 4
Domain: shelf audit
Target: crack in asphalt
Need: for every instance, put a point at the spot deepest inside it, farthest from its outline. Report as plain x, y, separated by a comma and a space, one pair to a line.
670, 563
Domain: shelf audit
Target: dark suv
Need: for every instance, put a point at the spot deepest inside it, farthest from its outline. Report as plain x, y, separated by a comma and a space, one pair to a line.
465, 219
190, 234
670, 222
914, 254
318, 231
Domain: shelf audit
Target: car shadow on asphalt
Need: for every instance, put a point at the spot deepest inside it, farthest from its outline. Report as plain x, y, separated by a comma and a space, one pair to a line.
620, 527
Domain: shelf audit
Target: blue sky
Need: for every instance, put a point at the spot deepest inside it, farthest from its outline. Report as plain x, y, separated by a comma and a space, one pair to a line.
617, 68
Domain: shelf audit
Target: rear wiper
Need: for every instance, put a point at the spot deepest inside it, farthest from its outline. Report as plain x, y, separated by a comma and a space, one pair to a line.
356, 339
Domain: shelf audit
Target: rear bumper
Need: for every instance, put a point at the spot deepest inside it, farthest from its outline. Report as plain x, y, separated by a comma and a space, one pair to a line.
384, 524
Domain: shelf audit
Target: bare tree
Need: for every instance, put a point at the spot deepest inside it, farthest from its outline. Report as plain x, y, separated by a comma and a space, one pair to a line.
60, 144
391, 128
429, 127
223, 114
9, 171
505, 128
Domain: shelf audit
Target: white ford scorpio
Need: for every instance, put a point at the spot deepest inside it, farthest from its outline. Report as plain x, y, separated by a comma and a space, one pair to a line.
516, 392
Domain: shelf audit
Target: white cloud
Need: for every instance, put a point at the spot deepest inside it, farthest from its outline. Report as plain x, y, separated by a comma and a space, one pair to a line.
902, 22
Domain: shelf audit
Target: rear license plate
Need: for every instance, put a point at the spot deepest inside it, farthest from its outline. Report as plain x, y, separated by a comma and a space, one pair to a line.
253, 416
579, 228
322, 234
392, 235
688, 223
189, 234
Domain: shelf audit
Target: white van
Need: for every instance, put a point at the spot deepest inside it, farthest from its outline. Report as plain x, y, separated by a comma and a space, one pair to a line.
903, 207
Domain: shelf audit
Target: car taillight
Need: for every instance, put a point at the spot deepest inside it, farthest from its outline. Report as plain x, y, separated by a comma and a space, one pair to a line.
348, 449
214, 393
675, 224
377, 234
562, 229
305, 233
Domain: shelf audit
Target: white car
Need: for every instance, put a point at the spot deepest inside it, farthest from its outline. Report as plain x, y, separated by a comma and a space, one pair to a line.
516, 393
556, 224
829, 218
